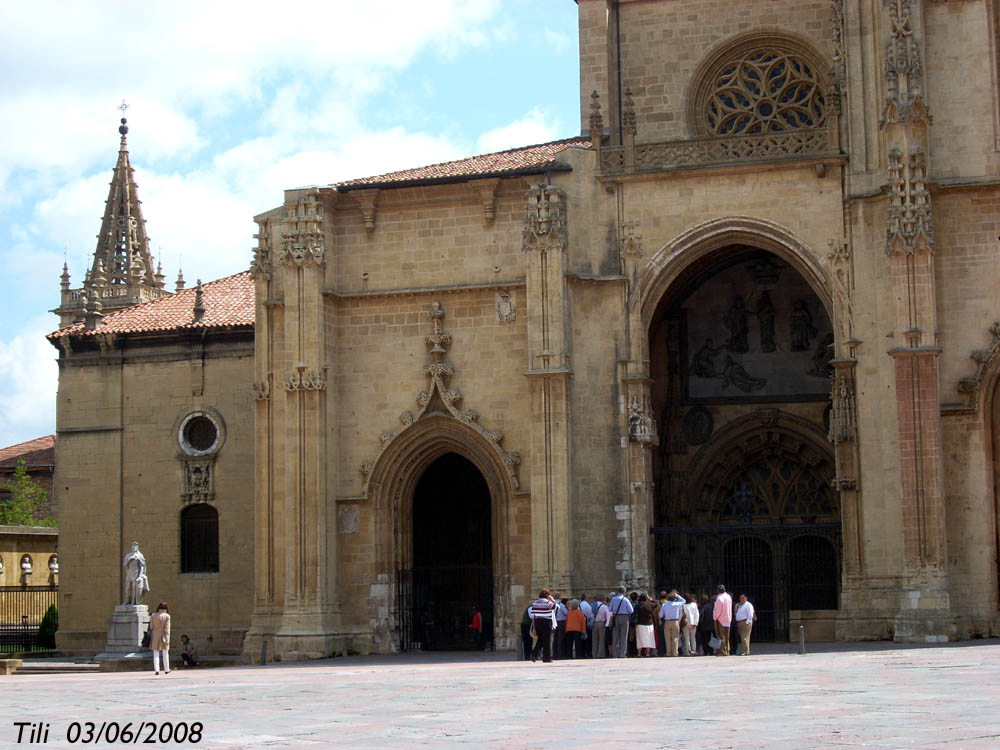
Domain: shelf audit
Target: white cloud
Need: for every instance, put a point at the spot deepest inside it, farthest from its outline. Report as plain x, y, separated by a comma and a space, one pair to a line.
531, 129
170, 58
204, 216
202, 81
557, 41
28, 378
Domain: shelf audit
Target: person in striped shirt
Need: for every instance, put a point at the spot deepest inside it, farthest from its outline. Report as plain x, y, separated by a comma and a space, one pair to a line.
543, 616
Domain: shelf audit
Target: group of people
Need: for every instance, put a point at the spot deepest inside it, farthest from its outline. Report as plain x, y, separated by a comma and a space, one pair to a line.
634, 624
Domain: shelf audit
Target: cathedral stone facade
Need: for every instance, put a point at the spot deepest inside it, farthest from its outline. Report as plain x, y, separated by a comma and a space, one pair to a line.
740, 331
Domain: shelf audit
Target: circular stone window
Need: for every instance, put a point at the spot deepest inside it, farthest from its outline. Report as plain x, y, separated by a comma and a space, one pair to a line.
199, 434
758, 83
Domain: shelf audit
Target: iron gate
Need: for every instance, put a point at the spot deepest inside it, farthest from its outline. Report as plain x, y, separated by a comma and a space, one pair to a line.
434, 606
780, 567
21, 611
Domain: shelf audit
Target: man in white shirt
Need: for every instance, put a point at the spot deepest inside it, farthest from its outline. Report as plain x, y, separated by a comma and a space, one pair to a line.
559, 641
621, 608
670, 616
744, 623
601, 613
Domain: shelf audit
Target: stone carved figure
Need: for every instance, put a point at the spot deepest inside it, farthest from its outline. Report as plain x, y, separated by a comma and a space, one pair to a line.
198, 479
734, 374
802, 326
136, 581
736, 322
640, 422
821, 358
703, 365
26, 565
505, 308
765, 320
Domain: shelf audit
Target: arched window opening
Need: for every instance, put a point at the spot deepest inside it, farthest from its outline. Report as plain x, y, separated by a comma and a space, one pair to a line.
200, 539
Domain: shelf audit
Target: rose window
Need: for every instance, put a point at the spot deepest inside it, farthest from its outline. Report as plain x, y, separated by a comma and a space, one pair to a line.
764, 91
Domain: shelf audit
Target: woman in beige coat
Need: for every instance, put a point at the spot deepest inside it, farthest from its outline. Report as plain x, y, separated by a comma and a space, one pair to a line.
159, 623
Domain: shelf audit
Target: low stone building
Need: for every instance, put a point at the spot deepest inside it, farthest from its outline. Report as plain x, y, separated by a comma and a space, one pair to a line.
738, 332
29, 554
39, 461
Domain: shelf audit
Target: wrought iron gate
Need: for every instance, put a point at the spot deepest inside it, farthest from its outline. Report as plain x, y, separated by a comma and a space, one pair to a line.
434, 606
21, 612
780, 567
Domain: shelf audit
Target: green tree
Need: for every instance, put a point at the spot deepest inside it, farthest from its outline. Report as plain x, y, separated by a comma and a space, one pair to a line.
47, 630
25, 497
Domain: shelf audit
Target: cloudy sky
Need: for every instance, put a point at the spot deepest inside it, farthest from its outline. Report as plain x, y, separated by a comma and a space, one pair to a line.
226, 109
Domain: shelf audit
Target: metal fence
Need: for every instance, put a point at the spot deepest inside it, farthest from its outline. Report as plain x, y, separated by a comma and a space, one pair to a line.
780, 567
434, 606
21, 611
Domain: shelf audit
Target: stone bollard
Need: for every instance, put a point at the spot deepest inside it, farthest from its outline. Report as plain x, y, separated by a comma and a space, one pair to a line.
802, 640
9, 666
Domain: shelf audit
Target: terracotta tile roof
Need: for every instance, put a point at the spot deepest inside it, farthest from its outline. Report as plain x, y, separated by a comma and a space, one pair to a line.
524, 160
37, 452
229, 301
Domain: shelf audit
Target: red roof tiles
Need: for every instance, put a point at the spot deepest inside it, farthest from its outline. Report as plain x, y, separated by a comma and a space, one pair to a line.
228, 302
34, 453
524, 160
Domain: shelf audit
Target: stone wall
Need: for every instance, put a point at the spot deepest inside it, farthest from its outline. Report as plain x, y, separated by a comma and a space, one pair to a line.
118, 460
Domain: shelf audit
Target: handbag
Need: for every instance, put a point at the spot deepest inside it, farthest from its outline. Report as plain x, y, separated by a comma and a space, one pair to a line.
147, 638
714, 642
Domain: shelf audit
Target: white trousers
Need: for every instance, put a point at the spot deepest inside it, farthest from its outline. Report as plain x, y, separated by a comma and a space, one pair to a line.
690, 641
156, 661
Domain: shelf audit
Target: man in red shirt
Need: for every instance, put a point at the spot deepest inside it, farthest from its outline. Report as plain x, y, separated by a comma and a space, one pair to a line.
723, 616
477, 629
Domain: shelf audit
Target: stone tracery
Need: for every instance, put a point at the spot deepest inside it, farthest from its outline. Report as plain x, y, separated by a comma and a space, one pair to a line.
439, 392
766, 90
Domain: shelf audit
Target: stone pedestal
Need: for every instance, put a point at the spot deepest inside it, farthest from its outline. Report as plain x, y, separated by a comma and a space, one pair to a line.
124, 649
126, 627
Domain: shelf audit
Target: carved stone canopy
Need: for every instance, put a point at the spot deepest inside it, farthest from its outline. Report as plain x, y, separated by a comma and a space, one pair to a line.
972, 385
441, 398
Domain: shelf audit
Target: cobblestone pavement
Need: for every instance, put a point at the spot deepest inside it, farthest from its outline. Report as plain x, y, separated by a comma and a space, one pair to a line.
840, 696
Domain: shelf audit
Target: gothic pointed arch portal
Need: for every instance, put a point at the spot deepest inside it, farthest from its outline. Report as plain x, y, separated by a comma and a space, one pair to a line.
740, 348
440, 445
439, 454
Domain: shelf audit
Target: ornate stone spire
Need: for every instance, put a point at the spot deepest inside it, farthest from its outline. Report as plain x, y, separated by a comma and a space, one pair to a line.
596, 120
199, 303
122, 245
122, 271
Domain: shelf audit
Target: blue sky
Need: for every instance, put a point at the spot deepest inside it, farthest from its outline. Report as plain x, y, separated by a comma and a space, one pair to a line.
228, 110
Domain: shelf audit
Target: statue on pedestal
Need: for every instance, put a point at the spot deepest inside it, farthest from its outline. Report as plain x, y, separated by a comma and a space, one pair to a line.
136, 582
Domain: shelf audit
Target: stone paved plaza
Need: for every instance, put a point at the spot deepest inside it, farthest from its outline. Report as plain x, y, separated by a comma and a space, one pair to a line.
837, 696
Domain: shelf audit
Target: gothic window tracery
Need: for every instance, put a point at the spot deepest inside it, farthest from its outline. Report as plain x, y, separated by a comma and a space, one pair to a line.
759, 84
765, 91
776, 488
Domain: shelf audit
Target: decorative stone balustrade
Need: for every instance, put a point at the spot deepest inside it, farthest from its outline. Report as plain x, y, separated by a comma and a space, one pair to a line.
650, 157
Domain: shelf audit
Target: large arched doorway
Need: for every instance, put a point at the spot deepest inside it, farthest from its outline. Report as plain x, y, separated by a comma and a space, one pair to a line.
740, 347
452, 555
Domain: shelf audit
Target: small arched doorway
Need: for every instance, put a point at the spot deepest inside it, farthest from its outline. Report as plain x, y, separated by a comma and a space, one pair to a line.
452, 555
